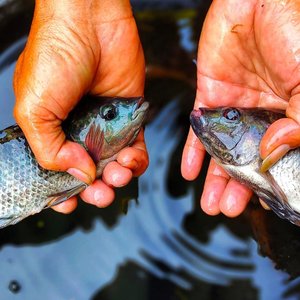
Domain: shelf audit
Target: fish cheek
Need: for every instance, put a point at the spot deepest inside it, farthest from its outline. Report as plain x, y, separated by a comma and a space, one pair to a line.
218, 150
114, 129
223, 140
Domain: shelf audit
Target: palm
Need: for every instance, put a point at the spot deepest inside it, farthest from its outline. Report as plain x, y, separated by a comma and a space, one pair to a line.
249, 66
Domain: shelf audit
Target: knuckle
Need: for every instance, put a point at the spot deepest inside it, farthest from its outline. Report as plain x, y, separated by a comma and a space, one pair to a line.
47, 164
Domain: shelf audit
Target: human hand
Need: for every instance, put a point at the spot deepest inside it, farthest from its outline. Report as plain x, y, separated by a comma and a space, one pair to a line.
75, 47
248, 57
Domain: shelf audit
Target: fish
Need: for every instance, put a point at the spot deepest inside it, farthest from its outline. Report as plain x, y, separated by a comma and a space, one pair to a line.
102, 125
232, 137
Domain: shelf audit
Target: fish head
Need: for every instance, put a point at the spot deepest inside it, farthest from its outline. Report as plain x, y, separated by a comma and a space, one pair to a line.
231, 135
120, 121
104, 126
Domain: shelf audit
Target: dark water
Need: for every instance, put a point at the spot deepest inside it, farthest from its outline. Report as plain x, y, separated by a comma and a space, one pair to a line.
164, 247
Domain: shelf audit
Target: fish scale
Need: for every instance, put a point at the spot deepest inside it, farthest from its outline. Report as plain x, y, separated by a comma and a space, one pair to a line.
284, 173
22, 179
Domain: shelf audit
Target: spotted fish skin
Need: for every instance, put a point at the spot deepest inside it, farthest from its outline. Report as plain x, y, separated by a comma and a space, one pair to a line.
232, 137
26, 188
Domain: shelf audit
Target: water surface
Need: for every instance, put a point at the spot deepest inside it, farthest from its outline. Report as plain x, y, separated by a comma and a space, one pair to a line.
164, 247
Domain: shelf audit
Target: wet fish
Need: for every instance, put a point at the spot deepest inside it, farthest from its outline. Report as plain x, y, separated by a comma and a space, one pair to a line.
232, 137
103, 126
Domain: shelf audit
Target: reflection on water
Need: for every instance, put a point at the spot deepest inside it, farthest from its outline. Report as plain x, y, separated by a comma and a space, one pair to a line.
164, 247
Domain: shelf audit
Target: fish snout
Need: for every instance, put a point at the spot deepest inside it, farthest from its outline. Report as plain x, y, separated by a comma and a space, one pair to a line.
197, 120
197, 113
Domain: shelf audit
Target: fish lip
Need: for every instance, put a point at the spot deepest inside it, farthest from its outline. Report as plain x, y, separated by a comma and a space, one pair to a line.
197, 119
197, 112
140, 107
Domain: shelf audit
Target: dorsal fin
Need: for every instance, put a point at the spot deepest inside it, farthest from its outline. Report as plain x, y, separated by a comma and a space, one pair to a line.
94, 142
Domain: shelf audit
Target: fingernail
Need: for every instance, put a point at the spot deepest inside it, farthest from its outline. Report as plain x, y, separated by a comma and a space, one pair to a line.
80, 175
264, 204
274, 157
132, 164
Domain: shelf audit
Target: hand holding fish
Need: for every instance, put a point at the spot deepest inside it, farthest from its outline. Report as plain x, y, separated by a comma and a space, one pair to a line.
77, 47
248, 57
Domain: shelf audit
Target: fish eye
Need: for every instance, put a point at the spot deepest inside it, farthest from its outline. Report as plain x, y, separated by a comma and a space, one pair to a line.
108, 112
231, 114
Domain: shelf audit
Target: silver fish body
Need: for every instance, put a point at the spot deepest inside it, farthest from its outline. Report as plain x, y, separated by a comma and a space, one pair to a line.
25, 187
232, 137
103, 126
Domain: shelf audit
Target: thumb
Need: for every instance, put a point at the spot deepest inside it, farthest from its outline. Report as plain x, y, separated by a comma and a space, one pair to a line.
282, 136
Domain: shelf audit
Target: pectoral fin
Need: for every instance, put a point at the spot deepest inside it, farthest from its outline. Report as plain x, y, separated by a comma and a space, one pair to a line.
94, 142
65, 195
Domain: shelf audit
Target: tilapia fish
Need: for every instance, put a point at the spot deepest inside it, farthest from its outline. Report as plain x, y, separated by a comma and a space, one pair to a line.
103, 126
232, 137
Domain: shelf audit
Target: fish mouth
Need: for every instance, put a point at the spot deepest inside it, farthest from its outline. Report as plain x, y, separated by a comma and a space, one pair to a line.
197, 120
141, 106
